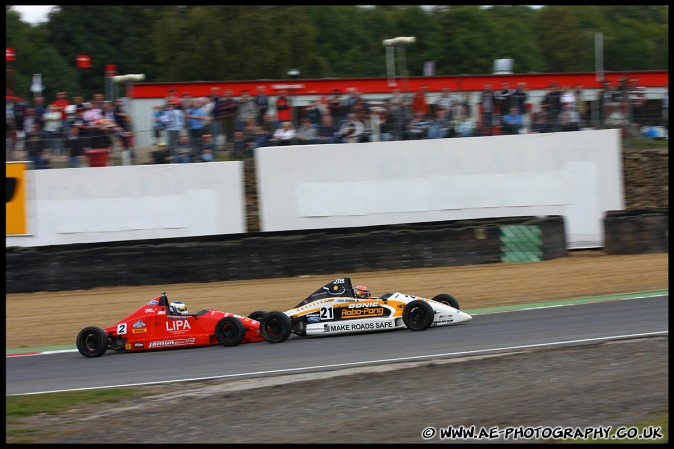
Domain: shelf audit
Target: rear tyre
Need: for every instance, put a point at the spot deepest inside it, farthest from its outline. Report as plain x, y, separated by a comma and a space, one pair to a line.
257, 315
230, 331
418, 315
275, 327
92, 342
447, 299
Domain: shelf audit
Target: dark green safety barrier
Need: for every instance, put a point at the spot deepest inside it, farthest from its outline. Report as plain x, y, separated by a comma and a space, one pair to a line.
268, 255
521, 243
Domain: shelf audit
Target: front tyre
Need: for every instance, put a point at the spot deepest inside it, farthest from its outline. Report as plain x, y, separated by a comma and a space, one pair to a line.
92, 342
257, 315
230, 331
447, 299
275, 327
418, 315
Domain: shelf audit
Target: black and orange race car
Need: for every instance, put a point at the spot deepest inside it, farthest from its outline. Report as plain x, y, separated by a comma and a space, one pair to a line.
338, 308
160, 324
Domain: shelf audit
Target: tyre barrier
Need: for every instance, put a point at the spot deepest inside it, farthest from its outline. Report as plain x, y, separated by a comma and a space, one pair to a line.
636, 231
269, 255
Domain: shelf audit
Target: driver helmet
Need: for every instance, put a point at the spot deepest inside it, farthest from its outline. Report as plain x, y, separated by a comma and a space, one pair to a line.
178, 308
361, 292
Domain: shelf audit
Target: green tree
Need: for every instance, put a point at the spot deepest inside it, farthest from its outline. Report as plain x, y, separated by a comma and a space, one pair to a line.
342, 40
633, 48
17, 37
234, 43
467, 36
563, 43
239, 42
108, 34
513, 37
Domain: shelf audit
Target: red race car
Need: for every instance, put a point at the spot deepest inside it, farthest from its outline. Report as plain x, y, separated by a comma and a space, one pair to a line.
161, 325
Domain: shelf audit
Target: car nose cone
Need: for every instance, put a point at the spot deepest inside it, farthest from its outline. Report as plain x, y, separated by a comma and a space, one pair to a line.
461, 317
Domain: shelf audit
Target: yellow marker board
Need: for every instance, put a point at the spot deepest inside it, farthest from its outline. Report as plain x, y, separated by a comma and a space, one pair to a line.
15, 204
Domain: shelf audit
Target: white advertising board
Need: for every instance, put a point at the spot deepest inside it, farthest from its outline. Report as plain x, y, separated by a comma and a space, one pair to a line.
106, 204
577, 175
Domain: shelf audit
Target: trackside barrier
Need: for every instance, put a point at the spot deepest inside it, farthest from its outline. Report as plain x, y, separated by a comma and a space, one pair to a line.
636, 231
521, 244
269, 255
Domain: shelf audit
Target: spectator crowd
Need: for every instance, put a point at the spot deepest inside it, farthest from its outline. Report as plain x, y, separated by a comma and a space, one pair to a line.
67, 128
196, 129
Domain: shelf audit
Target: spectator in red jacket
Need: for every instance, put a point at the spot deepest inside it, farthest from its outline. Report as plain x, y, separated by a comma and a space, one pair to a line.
284, 111
61, 103
420, 102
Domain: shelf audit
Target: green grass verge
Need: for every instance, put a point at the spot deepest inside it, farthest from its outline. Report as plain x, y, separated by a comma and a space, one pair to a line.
19, 408
53, 403
645, 142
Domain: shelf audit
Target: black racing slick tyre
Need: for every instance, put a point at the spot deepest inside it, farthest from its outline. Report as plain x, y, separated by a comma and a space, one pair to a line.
257, 315
92, 342
275, 327
447, 299
418, 315
230, 331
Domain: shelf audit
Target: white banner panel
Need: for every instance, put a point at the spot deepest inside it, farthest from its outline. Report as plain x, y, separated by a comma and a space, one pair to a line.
103, 204
419, 195
574, 174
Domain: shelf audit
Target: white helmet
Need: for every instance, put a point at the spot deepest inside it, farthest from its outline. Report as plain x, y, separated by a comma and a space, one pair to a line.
178, 308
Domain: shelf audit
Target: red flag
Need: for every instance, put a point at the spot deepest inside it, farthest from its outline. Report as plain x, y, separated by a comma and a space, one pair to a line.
10, 54
110, 70
83, 62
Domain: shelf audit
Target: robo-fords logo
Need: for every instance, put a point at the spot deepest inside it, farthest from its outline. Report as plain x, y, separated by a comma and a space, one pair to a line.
375, 311
176, 342
363, 309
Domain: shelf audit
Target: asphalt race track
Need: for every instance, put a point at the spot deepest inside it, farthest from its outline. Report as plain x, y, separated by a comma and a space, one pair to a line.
485, 334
